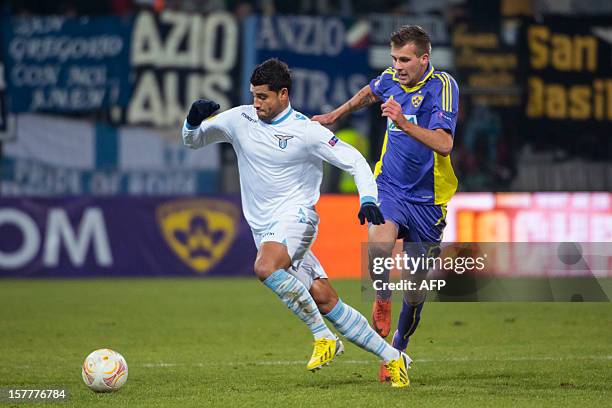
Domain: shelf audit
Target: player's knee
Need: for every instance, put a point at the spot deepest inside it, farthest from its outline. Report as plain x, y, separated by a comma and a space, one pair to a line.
378, 253
380, 249
263, 269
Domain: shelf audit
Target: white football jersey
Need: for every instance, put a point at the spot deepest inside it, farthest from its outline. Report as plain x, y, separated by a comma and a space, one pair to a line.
280, 163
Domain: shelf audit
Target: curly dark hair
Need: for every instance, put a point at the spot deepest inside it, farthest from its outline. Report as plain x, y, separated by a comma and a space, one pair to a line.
274, 73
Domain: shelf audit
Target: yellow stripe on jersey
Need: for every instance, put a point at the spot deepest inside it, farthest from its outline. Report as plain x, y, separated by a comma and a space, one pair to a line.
447, 94
443, 99
445, 181
378, 167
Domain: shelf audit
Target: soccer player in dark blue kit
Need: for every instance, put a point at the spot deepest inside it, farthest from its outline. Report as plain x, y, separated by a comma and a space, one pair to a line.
414, 175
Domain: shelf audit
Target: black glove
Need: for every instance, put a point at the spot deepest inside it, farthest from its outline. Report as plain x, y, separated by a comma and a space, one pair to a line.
200, 110
369, 211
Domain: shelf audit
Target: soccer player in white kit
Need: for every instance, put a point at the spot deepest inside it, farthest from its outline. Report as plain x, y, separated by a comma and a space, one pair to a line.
280, 153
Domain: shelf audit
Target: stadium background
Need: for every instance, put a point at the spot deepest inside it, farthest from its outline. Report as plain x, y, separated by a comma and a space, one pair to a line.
94, 182
92, 98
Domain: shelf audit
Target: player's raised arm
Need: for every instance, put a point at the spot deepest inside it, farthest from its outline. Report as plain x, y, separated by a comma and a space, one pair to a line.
365, 97
197, 133
328, 147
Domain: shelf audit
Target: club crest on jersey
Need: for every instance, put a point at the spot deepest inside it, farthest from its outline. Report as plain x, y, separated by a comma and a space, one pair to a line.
199, 232
282, 140
416, 100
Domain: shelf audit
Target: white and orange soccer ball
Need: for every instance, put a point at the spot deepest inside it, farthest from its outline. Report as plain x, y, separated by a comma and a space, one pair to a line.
105, 370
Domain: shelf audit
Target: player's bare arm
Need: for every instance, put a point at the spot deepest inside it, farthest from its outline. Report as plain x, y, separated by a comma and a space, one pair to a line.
365, 97
439, 140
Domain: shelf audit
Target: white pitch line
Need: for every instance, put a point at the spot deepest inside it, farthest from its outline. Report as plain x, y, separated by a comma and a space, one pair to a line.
343, 361
340, 360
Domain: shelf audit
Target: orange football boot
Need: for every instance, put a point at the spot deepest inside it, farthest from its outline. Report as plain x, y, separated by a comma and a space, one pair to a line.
381, 317
383, 374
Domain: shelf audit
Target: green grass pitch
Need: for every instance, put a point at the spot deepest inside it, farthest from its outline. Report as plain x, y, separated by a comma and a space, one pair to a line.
229, 342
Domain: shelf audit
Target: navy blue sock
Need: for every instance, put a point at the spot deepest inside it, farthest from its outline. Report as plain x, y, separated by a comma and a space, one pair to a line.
408, 321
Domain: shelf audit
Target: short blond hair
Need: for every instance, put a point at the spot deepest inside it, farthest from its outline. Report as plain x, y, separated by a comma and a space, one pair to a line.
412, 34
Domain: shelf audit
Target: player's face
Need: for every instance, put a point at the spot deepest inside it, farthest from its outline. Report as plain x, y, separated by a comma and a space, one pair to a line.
409, 67
268, 103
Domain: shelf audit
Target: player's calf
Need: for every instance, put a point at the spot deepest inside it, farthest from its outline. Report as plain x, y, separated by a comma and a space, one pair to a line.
324, 295
381, 241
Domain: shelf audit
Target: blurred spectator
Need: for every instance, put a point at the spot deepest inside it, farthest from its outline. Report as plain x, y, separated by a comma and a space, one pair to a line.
122, 7
482, 131
63, 7
242, 9
572, 7
358, 140
196, 6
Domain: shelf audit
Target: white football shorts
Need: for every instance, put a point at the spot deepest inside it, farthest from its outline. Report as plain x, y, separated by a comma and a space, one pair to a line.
297, 230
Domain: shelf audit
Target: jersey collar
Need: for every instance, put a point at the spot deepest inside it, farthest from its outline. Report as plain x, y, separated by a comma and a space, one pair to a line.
282, 116
428, 73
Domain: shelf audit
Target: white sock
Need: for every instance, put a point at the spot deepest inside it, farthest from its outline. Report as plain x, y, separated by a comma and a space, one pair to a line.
352, 325
297, 298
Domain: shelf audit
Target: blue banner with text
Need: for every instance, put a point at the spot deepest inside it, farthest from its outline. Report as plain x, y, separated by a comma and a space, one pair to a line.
328, 56
64, 64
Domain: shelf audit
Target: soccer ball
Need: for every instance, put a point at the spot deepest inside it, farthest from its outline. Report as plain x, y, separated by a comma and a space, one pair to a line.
105, 370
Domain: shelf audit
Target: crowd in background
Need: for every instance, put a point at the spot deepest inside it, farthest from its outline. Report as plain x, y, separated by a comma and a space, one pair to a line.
492, 152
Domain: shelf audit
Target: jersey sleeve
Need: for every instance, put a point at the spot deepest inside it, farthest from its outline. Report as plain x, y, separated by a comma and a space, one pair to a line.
326, 146
445, 104
216, 129
382, 84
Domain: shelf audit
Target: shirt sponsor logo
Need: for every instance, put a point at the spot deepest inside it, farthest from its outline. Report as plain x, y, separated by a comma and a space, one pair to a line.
333, 141
393, 127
